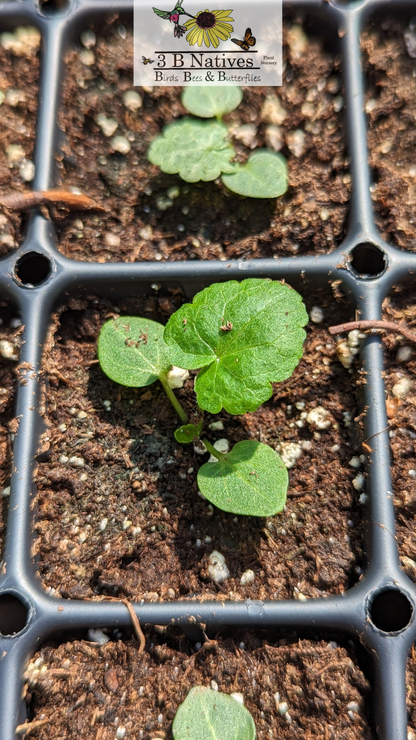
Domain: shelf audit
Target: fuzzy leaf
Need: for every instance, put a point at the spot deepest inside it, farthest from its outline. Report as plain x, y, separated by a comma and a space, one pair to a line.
244, 336
263, 176
187, 433
251, 479
208, 102
197, 150
210, 715
132, 351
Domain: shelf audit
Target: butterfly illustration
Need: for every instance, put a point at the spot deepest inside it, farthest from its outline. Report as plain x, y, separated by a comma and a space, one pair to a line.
249, 40
147, 61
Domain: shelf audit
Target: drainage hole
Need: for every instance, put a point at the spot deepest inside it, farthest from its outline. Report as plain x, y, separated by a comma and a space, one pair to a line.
391, 610
13, 614
367, 260
32, 269
48, 7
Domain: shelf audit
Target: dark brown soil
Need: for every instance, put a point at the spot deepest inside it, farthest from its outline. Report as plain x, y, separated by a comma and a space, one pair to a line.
204, 221
402, 421
391, 105
411, 693
19, 74
11, 335
91, 691
124, 517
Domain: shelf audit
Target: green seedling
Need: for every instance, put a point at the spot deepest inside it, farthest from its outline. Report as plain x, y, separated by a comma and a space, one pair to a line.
197, 150
242, 336
208, 715
200, 150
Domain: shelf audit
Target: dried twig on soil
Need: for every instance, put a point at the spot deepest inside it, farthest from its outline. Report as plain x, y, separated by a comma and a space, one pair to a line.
54, 371
30, 726
208, 645
136, 625
335, 664
383, 325
299, 551
35, 199
135, 621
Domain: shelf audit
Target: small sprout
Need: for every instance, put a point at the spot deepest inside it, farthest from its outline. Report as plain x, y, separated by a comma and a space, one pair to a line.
200, 150
210, 102
208, 715
260, 321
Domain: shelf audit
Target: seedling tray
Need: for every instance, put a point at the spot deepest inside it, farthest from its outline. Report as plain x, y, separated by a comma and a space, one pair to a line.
379, 611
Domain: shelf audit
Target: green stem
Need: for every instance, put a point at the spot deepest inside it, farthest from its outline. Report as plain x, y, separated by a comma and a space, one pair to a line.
172, 398
212, 450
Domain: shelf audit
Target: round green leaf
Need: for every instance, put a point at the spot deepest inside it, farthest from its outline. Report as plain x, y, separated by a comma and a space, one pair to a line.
251, 479
244, 336
132, 351
187, 433
197, 150
208, 102
263, 176
210, 715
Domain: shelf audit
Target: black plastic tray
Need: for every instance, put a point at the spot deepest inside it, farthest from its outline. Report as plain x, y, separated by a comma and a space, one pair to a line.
380, 610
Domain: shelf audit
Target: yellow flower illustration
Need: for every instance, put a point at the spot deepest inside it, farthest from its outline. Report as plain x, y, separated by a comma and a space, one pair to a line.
209, 27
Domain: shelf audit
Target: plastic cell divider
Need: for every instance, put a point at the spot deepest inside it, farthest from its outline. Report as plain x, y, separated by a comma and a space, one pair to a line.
28, 615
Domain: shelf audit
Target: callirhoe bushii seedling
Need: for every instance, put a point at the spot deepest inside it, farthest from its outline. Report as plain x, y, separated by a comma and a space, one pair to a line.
206, 715
241, 337
201, 150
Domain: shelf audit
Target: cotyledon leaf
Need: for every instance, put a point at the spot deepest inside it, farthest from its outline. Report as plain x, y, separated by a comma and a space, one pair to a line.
263, 176
132, 351
251, 479
187, 433
197, 150
244, 336
211, 715
208, 102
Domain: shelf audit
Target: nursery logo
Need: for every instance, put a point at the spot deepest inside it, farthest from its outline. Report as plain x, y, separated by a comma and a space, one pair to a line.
189, 45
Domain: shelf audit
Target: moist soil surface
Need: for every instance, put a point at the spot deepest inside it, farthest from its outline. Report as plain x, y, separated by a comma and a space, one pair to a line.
144, 218
390, 106
411, 692
119, 510
19, 75
400, 364
81, 689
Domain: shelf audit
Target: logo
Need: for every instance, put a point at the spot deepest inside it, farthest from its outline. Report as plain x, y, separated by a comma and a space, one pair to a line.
191, 45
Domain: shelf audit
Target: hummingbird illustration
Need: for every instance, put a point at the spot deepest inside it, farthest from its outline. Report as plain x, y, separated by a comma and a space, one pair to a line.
173, 16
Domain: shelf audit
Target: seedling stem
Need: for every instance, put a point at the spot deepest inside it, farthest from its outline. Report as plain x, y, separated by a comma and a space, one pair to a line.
212, 450
172, 398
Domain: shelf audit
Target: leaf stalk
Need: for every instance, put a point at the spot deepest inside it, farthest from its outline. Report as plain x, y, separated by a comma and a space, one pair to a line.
212, 450
172, 398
